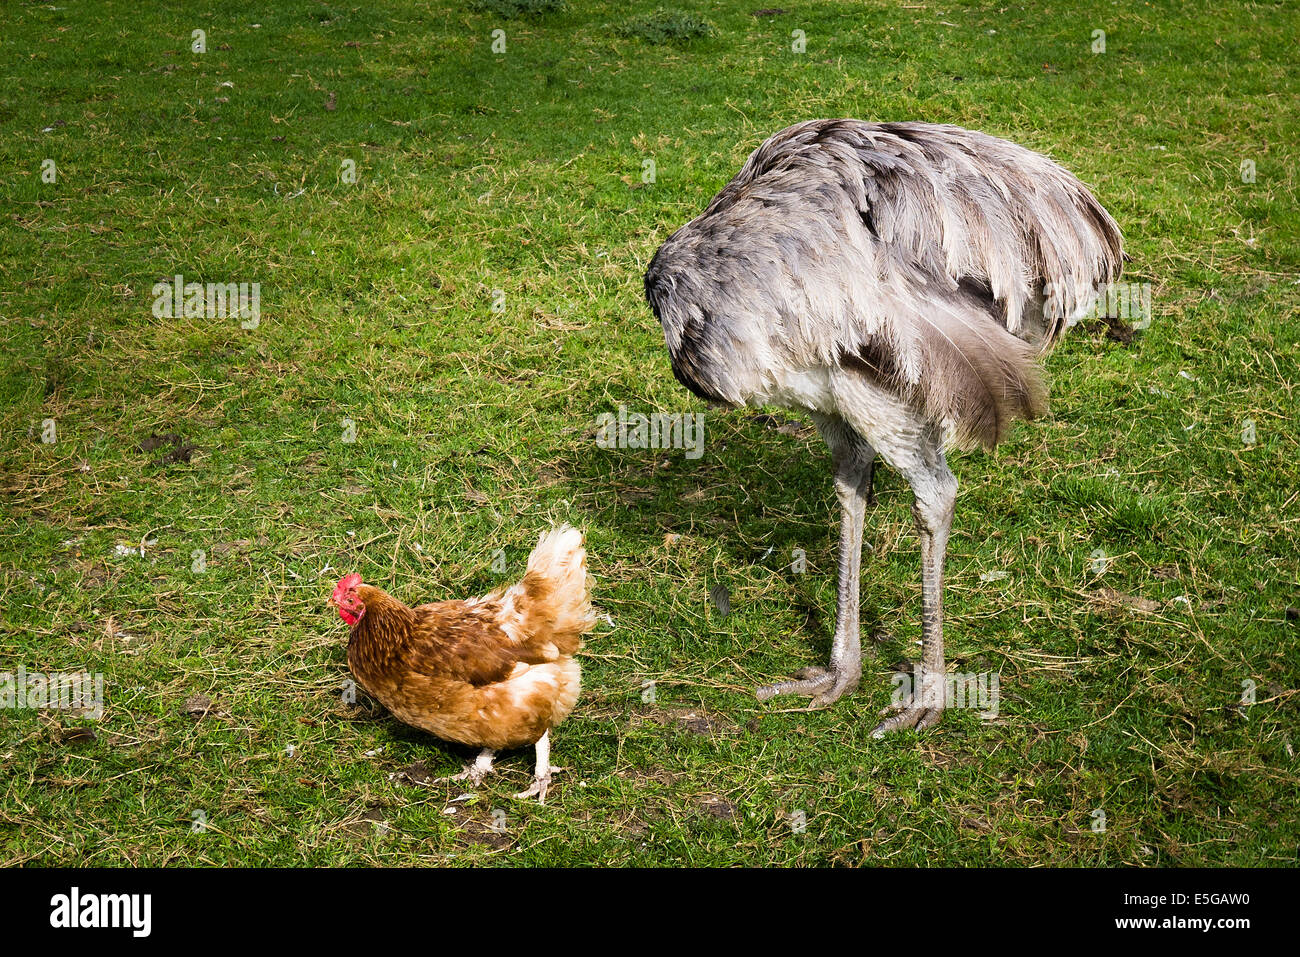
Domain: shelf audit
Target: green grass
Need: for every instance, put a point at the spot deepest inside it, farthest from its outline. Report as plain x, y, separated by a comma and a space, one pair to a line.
522, 172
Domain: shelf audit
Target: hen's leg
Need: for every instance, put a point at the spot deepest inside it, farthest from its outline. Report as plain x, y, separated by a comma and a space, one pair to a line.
542, 773
476, 772
935, 488
853, 467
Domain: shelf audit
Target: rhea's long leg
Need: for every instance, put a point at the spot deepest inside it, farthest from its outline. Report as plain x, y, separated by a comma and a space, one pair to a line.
853, 466
935, 488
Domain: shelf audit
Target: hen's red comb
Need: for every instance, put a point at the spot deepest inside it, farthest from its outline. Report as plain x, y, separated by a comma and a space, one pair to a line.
345, 584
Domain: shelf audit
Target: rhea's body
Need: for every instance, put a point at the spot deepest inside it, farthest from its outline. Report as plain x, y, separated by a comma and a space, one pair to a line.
896, 281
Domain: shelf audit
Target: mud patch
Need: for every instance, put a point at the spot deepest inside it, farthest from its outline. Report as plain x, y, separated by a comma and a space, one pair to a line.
695, 720
717, 807
484, 824
176, 448
1111, 598
417, 774
370, 824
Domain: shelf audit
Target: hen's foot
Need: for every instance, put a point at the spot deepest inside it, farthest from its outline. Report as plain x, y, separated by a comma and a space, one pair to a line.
539, 787
823, 685
474, 773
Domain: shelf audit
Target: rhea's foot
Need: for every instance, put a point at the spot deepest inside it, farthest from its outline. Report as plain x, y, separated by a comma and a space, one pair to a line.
823, 685
919, 711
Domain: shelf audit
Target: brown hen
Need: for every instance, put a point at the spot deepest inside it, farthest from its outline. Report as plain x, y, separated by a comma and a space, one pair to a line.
494, 672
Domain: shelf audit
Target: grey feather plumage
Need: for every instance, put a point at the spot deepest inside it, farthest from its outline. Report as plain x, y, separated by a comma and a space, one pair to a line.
935, 259
897, 281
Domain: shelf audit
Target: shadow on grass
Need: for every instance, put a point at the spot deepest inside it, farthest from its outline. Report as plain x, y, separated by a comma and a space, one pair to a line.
755, 496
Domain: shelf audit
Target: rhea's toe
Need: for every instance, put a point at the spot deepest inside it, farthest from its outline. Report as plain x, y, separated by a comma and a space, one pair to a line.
906, 716
811, 681
824, 686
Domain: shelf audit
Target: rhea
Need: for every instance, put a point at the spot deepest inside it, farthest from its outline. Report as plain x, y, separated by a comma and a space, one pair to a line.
897, 282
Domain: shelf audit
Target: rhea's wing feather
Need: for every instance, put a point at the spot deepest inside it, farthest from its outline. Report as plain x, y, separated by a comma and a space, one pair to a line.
951, 357
970, 206
932, 258
955, 203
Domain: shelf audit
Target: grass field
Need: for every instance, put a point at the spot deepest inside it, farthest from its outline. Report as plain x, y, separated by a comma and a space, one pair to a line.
472, 302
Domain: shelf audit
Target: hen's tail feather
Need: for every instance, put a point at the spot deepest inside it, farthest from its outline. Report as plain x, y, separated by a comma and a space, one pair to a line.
553, 600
